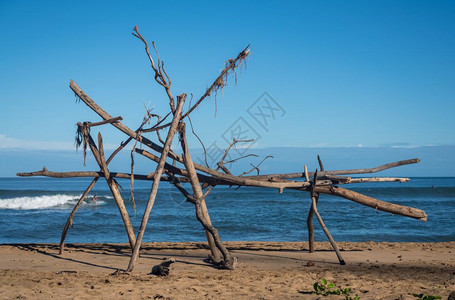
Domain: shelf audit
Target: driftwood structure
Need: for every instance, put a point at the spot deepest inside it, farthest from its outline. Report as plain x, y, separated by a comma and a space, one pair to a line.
178, 169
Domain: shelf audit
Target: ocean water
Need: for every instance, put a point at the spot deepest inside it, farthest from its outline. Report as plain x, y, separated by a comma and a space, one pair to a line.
35, 210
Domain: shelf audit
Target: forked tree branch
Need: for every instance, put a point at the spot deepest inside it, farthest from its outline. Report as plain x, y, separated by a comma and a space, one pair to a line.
160, 78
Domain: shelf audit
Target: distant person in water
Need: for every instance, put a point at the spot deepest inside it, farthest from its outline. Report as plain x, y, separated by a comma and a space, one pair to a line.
94, 199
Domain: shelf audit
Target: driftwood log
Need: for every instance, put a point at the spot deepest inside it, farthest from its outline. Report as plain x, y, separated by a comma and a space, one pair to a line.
184, 169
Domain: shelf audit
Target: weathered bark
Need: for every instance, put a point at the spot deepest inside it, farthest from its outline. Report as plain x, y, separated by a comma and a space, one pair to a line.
228, 262
90, 124
161, 76
73, 212
372, 202
119, 125
314, 210
202, 214
338, 172
310, 226
89, 188
99, 157
114, 190
182, 172
156, 180
326, 231
321, 166
309, 220
378, 179
94, 174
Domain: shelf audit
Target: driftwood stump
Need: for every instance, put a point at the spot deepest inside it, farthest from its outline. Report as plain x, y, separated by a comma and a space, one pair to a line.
163, 268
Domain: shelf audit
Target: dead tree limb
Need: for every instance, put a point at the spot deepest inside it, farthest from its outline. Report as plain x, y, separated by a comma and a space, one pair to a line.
161, 76
156, 180
256, 167
119, 125
337, 191
314, 198
221, 163
94, 174
73, 212
321, 166
372, 202
309, 220
378, 179
87, 190
350, 195
220, 82
104, 122
179, 171
99, 155
202, 214
337, 172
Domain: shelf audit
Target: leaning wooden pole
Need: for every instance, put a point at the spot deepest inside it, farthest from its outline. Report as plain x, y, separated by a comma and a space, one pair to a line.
114, 189
326, 231
309, 220
73, 212
99, 157
309, 223
156, 180
311, 212
91, 185
372, 202
314, 200
202, 213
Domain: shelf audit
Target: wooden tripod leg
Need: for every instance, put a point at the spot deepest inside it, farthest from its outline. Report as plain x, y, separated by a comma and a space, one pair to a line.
70, 218
309, 223
156, 181
326, 231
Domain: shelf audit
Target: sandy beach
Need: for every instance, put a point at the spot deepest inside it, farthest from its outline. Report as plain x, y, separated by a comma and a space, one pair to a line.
265, 270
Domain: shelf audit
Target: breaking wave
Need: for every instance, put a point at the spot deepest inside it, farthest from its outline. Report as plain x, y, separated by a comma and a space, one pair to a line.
59, 201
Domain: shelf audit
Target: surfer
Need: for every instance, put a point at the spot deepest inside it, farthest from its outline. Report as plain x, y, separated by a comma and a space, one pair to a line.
94, 199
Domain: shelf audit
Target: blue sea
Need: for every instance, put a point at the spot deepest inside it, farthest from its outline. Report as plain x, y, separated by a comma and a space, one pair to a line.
35, 210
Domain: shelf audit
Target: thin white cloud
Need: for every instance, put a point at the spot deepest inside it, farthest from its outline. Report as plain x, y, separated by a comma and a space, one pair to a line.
319, 145
9, 143
12, 143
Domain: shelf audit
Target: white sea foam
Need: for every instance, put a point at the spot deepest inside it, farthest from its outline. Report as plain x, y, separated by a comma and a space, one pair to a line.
40, 202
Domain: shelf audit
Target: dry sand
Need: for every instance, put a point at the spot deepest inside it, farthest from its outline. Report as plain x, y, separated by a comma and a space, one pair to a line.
265, 270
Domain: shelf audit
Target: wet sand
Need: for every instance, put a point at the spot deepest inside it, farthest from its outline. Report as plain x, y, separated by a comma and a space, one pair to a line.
265, 270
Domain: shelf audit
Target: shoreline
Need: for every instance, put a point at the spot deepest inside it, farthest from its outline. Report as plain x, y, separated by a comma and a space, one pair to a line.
267, 270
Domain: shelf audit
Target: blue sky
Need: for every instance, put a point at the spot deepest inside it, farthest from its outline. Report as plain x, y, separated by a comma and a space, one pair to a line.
345, 73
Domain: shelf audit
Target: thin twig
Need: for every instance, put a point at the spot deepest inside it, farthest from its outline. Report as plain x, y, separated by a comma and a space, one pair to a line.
199, 139
159, 77
222, 165
256, 167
